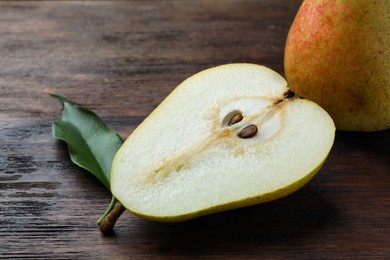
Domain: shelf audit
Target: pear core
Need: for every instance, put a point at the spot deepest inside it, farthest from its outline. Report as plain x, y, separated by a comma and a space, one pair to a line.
185, 160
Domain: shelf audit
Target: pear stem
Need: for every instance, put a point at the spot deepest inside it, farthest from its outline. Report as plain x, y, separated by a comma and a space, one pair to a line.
108, 210
106, 226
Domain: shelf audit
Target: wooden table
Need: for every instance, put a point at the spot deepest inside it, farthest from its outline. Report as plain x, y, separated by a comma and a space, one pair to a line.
121, 59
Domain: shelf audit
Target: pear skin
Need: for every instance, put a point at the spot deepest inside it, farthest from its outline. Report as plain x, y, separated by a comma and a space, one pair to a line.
337, 54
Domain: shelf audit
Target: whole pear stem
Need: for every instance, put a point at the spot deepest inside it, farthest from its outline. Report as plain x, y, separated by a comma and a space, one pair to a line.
107, 224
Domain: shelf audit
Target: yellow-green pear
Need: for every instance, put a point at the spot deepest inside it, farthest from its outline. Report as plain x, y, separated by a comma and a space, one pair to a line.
227, 137
338, 55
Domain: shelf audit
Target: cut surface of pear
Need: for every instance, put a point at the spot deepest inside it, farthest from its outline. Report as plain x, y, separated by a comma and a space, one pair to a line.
187, 158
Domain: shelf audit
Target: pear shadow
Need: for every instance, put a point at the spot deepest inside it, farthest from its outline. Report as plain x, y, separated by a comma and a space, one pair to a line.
300, 215
362, 153
377, 143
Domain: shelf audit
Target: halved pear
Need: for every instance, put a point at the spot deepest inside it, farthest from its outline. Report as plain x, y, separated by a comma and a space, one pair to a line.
227, 137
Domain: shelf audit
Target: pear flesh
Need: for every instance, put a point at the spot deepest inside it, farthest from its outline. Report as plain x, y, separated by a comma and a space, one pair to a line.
186, 160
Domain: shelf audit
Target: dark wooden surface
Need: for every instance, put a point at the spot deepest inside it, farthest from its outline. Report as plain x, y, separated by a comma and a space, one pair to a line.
121, 59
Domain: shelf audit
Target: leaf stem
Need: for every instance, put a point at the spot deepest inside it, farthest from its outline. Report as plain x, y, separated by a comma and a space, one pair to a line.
108, 210
107, 224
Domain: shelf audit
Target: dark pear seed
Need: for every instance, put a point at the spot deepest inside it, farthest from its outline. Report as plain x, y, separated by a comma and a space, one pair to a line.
289, 94
235, 119
248, 131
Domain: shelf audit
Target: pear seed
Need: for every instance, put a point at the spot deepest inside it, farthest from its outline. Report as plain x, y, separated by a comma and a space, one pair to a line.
235, 119
248, 131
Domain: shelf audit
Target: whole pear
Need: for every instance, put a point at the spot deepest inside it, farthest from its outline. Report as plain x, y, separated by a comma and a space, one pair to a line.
338, 55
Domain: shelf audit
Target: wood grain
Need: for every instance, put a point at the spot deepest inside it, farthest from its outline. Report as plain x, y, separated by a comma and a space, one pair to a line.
121, 59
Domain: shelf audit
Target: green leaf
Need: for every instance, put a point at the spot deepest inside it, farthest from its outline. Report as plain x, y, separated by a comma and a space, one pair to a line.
91, 144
